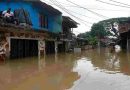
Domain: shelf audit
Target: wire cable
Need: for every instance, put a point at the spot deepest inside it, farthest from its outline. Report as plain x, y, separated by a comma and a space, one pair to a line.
69, 5
102, 16
71, 10
113, 4
120, 2
84, 15
64, 9
99, 9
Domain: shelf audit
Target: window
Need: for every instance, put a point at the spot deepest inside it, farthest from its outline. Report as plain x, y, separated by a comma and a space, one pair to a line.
43, 21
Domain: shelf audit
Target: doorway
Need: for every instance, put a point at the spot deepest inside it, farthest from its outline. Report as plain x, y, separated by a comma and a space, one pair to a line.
21, 48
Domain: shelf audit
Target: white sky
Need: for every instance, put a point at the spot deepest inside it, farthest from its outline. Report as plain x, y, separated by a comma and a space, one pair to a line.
109, 11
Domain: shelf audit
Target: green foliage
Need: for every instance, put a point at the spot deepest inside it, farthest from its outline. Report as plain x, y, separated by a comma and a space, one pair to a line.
101, 29
92, 40
113, 20
88, 36
98, 30
84, 35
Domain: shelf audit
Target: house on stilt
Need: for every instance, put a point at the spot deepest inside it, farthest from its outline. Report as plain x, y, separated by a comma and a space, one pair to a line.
67, 39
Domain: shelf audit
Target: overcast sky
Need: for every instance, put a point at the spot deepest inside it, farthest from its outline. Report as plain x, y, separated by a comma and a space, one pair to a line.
85, 17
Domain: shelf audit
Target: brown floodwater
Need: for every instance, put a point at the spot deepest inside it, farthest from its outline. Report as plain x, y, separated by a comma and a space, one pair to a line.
89, 70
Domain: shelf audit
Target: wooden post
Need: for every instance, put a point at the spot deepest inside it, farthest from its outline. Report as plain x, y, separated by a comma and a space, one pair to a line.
39, 53
41, 48
56, 47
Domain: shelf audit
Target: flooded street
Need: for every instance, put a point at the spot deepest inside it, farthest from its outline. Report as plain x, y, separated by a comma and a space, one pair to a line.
89, 70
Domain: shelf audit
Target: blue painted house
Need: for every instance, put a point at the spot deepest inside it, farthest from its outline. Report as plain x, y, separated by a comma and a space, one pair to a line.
24, 42
43, 16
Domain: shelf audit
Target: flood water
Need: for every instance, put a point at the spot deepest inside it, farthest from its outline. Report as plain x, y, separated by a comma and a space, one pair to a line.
89, 70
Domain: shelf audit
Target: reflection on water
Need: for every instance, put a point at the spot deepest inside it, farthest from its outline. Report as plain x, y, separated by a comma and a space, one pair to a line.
49, 73
89, 70
103, 71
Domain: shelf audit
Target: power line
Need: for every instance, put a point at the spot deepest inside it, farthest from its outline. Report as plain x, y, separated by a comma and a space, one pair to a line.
50, 3
99, 9
89, 10
64, 9
71, 10
61, 7
113, 4
119, 2
93, 8
76, 12
47, 2
83, 15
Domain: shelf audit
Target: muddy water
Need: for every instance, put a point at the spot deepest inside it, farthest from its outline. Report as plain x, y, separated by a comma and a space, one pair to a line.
89, 70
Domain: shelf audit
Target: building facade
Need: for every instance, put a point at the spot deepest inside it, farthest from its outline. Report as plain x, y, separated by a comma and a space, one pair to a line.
36, 30
124, 30
67, 38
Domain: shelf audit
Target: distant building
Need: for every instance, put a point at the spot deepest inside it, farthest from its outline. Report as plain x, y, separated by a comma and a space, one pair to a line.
67, 38
124, 30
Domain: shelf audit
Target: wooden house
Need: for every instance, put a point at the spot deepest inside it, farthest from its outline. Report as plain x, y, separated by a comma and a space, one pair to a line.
124, 31
67, 38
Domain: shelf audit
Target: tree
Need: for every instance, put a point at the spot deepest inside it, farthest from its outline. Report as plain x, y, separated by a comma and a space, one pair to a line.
102, 29
92, 40
98, 30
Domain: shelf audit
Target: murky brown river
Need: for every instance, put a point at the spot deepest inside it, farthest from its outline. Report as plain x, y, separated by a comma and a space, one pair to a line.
89, 70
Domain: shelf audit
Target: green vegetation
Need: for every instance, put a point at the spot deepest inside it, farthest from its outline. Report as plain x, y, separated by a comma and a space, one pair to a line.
100, 30
92, 41
97, 32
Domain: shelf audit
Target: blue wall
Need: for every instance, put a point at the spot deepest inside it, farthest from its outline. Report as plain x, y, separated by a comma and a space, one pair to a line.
54, 21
